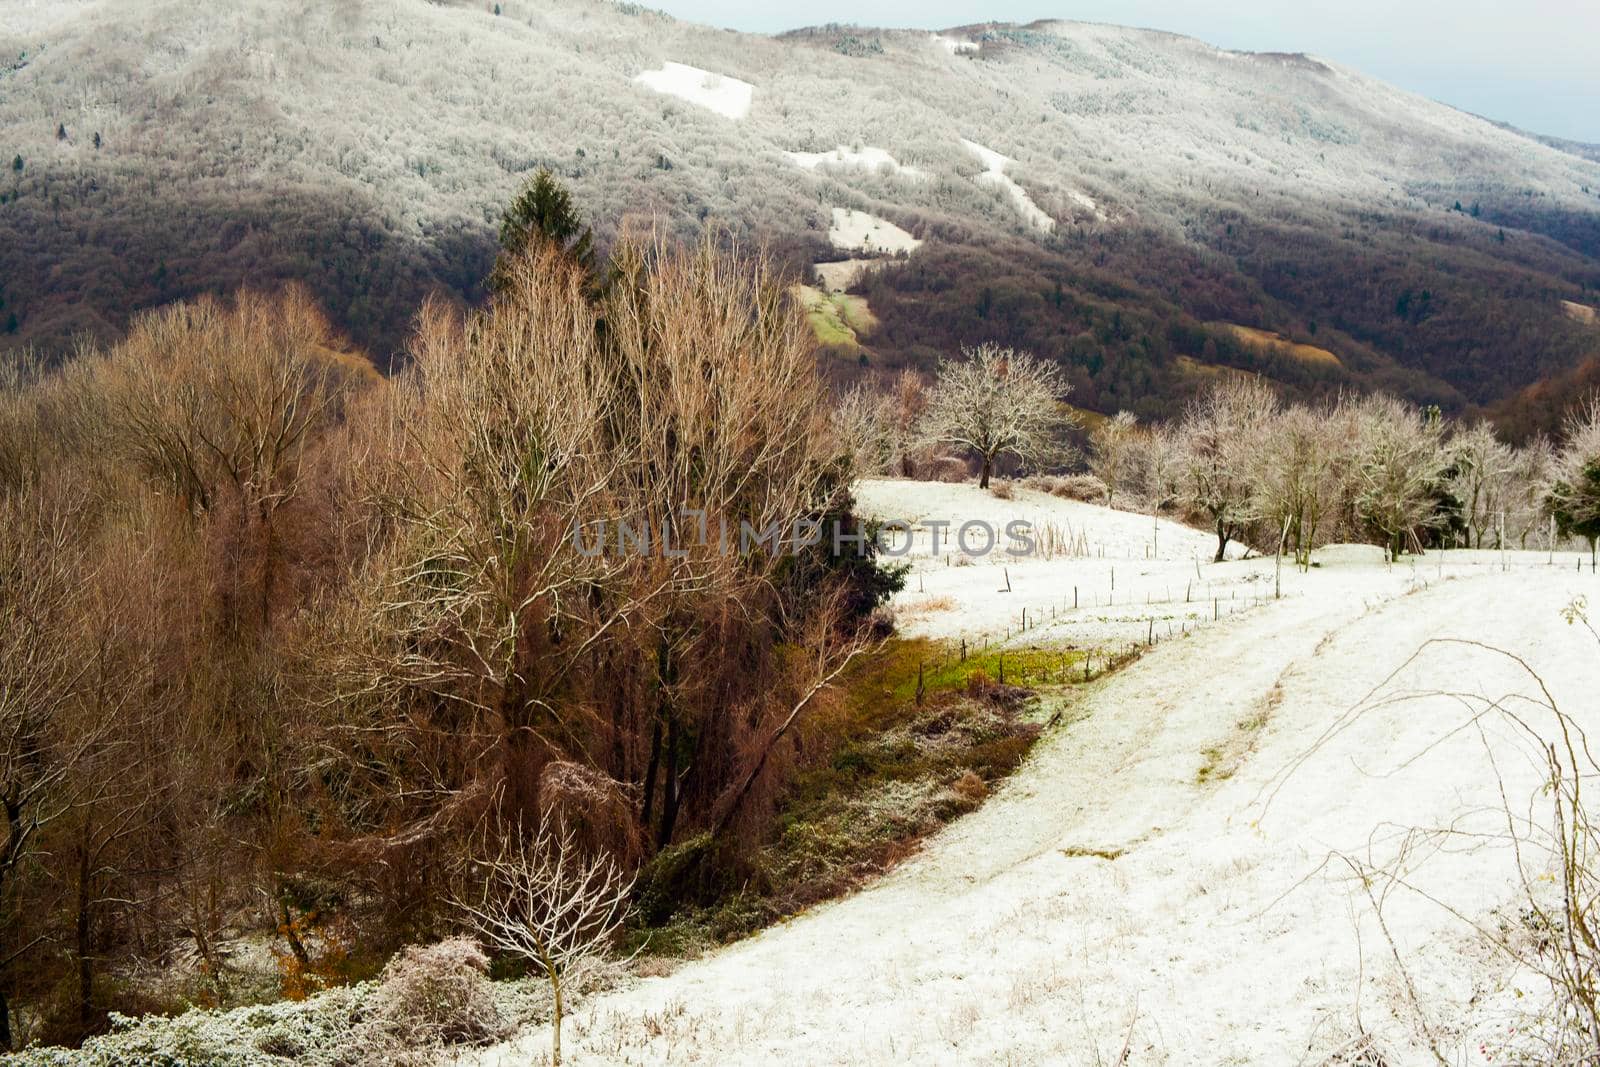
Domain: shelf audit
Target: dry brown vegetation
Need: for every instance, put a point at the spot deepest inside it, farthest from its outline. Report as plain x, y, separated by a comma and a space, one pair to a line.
278, 637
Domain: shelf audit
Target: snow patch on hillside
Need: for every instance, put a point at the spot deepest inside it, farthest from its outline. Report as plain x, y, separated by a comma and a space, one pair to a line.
955, 45
994, 174
857, 229
865, 158
1580, 312
1087, 202
726, 96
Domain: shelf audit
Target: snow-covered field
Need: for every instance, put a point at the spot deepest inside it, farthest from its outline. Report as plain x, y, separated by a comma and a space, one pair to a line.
716, 92
859, 230
1167, 872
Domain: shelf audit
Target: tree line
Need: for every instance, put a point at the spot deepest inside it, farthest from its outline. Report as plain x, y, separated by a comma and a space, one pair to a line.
1283, 477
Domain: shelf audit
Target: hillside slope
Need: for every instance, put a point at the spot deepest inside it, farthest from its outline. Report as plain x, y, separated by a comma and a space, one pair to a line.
1163, 875
1112, 198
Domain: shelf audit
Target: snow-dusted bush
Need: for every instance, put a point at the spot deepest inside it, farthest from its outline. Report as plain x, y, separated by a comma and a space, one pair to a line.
315, 1032
431, 996
1081, 487
427, 999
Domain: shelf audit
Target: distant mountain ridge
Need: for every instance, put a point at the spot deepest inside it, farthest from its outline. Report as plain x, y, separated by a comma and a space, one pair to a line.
1581, 149
1123, 201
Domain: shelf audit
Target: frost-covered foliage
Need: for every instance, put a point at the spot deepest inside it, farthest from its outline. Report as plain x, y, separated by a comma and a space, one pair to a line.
1575, 497
1222, 433
432, 996
315, 1032
428, 999
1112, 453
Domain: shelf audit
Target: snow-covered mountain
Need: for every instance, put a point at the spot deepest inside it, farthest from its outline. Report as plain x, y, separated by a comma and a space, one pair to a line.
1119, 199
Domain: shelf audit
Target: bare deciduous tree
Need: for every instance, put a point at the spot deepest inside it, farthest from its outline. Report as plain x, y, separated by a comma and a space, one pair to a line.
219, 403
536, 897
600, 542
997, 401
1575, 494
1399, 466
1303, 473
1221, 433
1527, 494
63, 699
1160, 466
863, 419
1113, 454
1481, 466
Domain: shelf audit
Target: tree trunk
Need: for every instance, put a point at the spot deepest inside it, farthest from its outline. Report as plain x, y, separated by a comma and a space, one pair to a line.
5, 1022
669, 788
983, 476
268, 570
1222, 541
555, 1015
83, 931
291, 935
650, 776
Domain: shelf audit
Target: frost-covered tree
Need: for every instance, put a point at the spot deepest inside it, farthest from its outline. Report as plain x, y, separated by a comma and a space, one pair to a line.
1112, 456
1575, 496
1527, 494
997, 401
1159, 459
1399, 470
1220, 434
1481, 465
864, 423
540, 899
1303, 474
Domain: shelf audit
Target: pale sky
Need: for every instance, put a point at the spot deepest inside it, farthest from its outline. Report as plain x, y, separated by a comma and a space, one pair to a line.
1533, 63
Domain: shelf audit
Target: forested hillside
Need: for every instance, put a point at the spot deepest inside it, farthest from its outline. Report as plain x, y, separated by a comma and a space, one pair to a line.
1121, 201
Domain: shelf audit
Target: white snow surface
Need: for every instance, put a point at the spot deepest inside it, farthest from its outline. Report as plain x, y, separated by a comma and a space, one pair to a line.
726, 96
858, 230
955, 45
864, 158
1110, 892
995, 175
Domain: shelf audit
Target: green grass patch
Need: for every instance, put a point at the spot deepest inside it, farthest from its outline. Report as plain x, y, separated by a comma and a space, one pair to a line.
880, 771
837, 319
